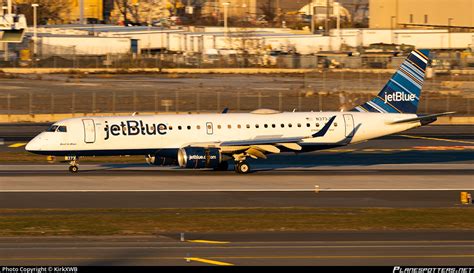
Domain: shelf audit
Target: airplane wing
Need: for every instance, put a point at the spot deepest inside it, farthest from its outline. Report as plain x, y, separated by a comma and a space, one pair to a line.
257, 147
423, 119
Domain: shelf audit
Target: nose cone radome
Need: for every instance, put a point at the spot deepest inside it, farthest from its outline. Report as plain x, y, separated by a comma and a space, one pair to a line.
33, 145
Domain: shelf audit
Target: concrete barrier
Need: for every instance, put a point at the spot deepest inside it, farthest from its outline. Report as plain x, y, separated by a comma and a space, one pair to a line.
448, 120
181, 70
203, 70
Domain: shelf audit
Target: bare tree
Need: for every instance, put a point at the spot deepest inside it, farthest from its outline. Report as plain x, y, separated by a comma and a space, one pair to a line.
123, 7
48, 10
175, 7
268, 10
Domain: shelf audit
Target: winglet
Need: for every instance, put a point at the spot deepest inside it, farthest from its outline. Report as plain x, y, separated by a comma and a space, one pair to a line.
225, 110
325, 129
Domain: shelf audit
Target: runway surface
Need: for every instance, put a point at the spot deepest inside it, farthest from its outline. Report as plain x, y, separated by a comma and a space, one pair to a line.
423, 168
323, 248
383, 185
344, 199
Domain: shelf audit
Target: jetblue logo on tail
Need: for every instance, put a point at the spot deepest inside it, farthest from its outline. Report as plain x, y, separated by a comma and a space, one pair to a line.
399, 96
402, 92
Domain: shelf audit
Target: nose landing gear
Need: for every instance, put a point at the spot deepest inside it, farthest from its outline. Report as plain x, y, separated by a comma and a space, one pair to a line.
73, 169
74, 162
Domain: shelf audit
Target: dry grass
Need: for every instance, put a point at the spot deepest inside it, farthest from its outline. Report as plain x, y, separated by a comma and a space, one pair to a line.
37, 222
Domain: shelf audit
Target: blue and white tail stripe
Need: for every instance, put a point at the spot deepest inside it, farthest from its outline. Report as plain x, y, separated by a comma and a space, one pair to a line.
402, 92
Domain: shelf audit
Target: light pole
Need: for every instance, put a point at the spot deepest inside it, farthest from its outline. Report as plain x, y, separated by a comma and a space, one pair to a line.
391, 28
35, 34
81, 12
326, 22
9, 6
5, 45
338, 18
226, 7
449, 32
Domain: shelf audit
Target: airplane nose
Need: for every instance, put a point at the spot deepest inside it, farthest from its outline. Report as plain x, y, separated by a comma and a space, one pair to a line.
33, 145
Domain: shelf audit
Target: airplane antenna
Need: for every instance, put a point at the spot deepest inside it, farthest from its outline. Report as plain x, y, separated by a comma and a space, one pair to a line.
134, 114
294, 110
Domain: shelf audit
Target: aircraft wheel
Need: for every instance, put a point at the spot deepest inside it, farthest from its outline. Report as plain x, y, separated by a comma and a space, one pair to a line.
242, 167
73, 169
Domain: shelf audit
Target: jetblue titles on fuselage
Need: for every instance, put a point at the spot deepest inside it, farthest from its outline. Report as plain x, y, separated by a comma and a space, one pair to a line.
133, 128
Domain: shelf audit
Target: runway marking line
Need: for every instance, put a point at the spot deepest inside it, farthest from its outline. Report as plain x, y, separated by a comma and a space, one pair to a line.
244, 258
207, 242
238, 190
258, 245
17, 145
207, 261
438, 139
348, 257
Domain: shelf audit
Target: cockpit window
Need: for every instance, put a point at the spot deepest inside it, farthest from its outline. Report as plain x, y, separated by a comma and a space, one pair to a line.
52, 128
57, 128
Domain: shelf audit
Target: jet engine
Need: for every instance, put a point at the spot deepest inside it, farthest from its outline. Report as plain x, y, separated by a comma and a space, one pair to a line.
199, 157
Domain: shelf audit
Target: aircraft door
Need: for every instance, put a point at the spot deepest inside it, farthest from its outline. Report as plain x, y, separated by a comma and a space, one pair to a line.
349, 122
89, 130
209, 128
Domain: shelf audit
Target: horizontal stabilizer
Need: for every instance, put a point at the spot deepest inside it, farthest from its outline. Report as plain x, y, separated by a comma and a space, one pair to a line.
423, 119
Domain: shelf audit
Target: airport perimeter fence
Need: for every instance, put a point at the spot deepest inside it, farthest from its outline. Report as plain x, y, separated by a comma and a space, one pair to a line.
316, 95
175, 60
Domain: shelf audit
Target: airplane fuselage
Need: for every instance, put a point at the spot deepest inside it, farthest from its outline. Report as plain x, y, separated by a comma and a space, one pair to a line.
127, 135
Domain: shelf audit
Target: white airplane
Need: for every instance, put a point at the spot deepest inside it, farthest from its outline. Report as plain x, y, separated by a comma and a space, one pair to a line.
211, 140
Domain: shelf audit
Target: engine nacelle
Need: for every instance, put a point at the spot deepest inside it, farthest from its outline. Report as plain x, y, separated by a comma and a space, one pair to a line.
161, 161
199, 157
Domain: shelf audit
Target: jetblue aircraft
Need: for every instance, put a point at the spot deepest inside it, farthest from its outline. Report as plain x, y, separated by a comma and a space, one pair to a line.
211, 140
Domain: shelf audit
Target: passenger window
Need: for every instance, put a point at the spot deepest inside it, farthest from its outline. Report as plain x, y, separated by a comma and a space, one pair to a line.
189, 127
209, 127
273, 125
266, 125
299, 124
282, 125
256, 126
317, 124
62, 129
229, 126
170, 127
218, 127
308, 125
248, 126
290, 125
198, 127
238, 126
179, 127
52, 128
335, 124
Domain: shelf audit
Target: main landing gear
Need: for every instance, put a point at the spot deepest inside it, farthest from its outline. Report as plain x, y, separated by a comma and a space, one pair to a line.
242, 167
73, 161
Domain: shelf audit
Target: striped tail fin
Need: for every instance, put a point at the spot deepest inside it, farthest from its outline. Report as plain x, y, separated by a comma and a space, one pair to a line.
402, 92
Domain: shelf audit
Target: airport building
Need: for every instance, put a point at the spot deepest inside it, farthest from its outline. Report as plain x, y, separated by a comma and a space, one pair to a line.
421, 13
